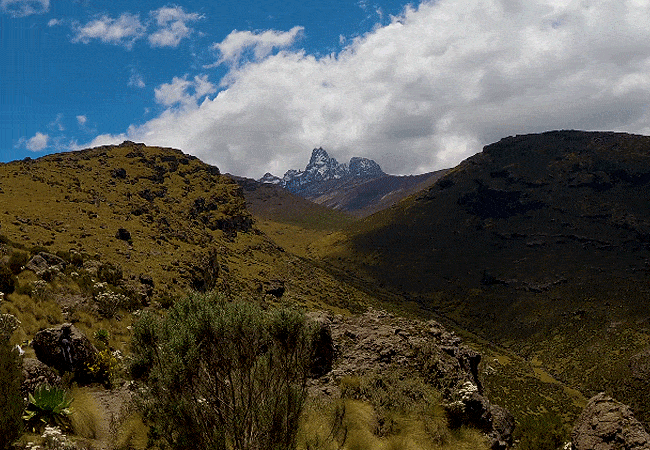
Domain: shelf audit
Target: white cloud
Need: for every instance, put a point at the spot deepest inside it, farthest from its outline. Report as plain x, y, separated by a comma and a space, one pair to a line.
36, 143
172, 26
124, 30
184, 92
421, 93
54, 22
81, 120
136, 80
22, 8
261, 44
57, 123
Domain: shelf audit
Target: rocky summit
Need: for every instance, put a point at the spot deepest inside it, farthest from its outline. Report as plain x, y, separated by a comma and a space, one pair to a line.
359, 188
322, 168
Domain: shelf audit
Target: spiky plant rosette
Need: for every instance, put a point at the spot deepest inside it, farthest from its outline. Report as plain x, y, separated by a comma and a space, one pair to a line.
49, 405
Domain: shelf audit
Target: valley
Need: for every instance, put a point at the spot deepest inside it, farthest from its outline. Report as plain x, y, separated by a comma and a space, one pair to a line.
535, 252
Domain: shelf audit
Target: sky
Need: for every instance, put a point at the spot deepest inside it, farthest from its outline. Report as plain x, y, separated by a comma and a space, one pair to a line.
254, 86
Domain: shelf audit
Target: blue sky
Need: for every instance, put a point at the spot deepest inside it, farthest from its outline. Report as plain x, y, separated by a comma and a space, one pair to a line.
253, 86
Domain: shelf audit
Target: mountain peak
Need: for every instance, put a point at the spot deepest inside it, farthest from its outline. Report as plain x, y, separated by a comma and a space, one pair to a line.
322, 168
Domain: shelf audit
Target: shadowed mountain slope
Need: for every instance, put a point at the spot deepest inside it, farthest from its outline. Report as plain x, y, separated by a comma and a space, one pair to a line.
541, 242
362, 197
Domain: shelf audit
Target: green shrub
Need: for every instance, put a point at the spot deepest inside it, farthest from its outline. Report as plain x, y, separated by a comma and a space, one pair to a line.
23, 289
48, 405
105, 367
546, 432
102, 335
223, 375
110, 273
7, 279
11, 401
17, 261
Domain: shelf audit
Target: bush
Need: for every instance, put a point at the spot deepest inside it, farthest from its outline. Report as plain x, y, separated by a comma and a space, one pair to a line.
7, 279
110, 273
17, 261
105, 367
544, 432
11, 400
49, 405
223, 375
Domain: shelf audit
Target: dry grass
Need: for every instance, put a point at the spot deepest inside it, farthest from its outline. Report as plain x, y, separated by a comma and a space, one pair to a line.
131, 434
353, 425
87, 417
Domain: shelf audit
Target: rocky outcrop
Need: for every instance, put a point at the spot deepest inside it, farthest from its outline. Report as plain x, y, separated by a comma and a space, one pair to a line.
606, 424
44, 263
377, 342
65, 349
36, 373
322, 168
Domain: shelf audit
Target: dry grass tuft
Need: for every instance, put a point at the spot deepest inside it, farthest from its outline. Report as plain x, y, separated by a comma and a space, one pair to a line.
87, 418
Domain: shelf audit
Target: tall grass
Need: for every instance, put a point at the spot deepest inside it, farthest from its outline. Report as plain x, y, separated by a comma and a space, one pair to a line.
87, 418
391, 412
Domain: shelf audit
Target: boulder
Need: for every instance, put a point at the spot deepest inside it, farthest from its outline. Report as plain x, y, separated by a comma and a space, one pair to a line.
65, 349
273, 287
606, 424
378, 342
45, 262
123, 234
472, 408
36, 373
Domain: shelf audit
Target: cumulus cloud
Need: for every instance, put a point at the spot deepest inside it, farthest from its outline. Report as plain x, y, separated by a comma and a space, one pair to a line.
81, 120
172, 26
22, 8
124, 30
183, 91
36, 143
261, 44
420, 93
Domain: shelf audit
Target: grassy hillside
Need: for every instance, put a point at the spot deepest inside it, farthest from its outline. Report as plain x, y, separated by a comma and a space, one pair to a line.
184, 227
289, 220
539, 243
129, 228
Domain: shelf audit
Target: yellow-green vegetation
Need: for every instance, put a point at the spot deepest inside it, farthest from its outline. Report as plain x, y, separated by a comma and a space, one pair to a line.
87, 419
11, 401
185, 225
393, 411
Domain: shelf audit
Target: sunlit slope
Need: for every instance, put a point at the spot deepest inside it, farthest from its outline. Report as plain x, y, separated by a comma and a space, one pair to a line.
186, 225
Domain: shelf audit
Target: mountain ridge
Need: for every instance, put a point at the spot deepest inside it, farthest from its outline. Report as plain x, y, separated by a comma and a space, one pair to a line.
321, 168
359, 188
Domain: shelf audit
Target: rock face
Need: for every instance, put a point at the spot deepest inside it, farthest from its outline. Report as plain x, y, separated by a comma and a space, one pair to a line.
36, 373
377, 342
43, 262
606, 424
72, 356
323, 168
